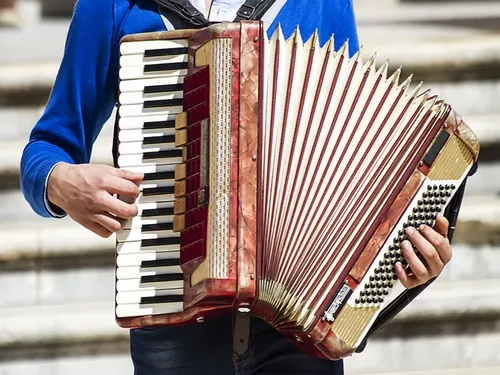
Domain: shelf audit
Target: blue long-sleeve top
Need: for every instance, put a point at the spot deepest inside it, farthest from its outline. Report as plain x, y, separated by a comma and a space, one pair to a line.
84, 92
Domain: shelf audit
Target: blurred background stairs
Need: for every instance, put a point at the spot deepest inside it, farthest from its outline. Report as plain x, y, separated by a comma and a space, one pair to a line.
56, 299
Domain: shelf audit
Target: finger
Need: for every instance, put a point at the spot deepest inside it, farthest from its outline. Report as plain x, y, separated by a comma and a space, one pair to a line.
416, 265
117, 207
122, 186
438, 242
96, 228
408, 282
441, 226
430, 254
128, 175
111, 223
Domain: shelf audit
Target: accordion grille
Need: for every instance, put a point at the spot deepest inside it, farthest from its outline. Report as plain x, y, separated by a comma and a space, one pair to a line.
220, 138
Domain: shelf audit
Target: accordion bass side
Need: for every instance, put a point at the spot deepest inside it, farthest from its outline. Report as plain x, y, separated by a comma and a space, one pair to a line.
280, 176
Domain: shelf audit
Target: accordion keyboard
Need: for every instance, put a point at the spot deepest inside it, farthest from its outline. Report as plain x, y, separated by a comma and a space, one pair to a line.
149, 279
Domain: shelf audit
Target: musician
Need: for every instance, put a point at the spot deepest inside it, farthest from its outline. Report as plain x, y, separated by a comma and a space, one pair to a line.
57, 180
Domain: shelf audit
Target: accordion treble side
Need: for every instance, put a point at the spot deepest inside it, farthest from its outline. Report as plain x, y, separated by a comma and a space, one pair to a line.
280, 176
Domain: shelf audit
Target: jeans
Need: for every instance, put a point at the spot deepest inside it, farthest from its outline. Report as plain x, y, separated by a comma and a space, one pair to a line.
207, 349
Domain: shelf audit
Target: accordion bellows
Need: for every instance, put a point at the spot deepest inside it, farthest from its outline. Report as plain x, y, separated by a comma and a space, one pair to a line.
285, 187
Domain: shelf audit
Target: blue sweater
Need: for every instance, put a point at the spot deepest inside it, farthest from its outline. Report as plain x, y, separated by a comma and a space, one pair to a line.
83, 96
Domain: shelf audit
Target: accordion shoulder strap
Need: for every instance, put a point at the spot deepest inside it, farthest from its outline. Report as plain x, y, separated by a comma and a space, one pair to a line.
250, 10
253, 9
185, 10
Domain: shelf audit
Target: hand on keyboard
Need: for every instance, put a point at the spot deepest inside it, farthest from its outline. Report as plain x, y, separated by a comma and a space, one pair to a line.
85, 193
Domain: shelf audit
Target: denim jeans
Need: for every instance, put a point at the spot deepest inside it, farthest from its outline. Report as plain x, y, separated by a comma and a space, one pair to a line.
207, 349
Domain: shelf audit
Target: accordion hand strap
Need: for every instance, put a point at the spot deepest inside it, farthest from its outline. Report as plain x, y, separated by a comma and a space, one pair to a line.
250, 10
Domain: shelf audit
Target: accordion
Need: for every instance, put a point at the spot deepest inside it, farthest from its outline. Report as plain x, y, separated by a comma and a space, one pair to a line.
279, 176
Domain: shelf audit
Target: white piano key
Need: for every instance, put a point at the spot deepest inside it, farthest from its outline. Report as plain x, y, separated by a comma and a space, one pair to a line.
139, 221
130, 310
130, 148
152, 169
136, 135
136, 234
139, 97
134, 247
134, 272
136, 259
139, 59
151, 184
142, 207
161, 196
136, 296
130, 48
129, 285
136, 72
139, 110
126, 161
141, 84
141, 122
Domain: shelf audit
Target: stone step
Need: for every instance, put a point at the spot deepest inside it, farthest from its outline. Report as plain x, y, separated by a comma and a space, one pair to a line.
396, 11
436, 316
450, 325
433, 60
455, 371
13, 139
47, 262
104, 361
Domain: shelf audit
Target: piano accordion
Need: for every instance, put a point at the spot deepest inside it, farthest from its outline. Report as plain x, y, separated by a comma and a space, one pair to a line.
279, 178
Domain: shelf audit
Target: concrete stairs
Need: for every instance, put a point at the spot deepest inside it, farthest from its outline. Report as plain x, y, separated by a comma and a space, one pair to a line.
56, 300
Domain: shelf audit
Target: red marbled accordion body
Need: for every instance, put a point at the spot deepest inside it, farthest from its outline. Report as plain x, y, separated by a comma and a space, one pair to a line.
251, 264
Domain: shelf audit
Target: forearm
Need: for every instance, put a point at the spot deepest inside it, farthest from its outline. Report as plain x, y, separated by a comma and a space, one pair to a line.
82, 99
38, 160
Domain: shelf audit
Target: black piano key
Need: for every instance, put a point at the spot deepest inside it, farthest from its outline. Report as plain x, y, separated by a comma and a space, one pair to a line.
157, 227
158, 191
163, 88
164, 241
170, 175
177, 153
159, 139
150, 125
161, 263
162, 299
167, 211
162, 103
165, 52
154, 68
162, 277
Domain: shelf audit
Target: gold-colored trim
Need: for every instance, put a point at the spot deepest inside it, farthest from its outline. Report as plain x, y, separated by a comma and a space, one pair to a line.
452, 161
184, 154
179, 189
180, 172
179, 206
179, 223
469, 138
352, 322
180, 121
180, 137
